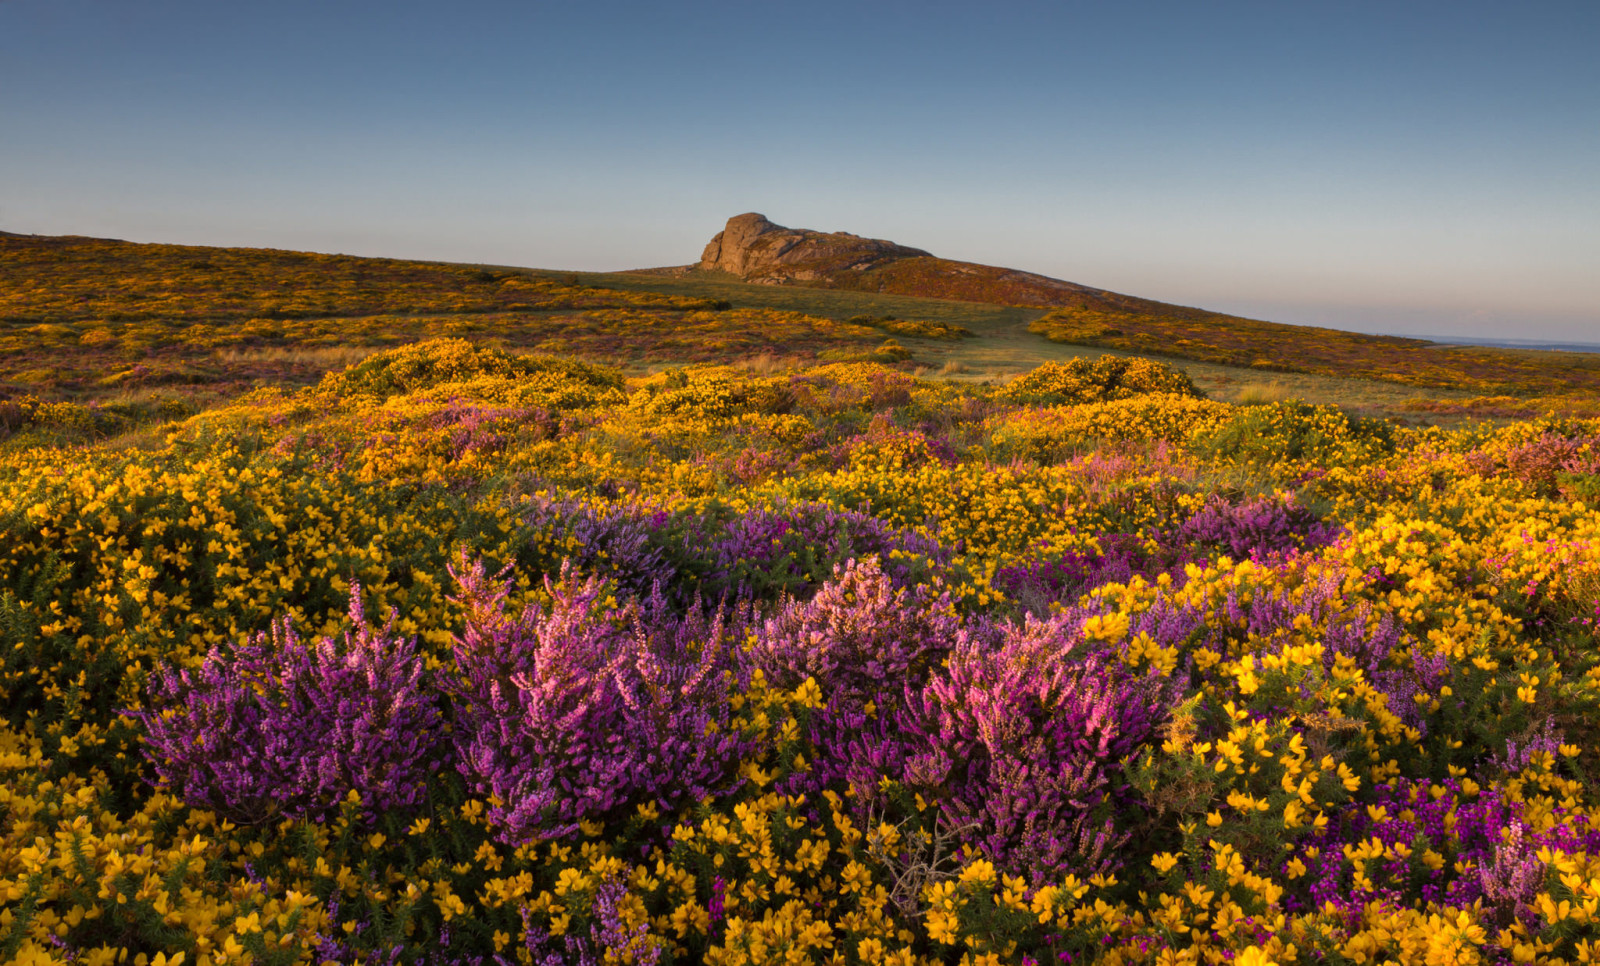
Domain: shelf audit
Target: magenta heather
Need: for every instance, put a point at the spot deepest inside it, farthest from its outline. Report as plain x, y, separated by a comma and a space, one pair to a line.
279, 727
578, 712
861, 634
1023, 741
1258, 528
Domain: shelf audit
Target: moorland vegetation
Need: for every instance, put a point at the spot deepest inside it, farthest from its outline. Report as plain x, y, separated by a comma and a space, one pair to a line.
457, 653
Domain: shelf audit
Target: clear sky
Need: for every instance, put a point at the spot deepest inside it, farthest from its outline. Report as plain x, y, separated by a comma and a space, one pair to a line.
1399, 166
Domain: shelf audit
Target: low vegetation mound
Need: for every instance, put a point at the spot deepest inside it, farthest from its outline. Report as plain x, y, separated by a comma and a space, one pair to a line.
918, 328
425, 365
1104, 379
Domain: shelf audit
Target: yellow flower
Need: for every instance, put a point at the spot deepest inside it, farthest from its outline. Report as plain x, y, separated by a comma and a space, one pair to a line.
1254, 956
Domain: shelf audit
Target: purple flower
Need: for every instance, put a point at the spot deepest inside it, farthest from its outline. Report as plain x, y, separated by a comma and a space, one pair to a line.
1022, 741
617, 542
1257, 529
574, 713
278, 727
859, 636
792, 547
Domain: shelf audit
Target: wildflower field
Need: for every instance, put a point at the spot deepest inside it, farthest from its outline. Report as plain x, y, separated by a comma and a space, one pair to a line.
464, 655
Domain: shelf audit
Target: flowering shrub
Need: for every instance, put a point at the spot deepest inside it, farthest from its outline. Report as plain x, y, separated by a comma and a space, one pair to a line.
1547, 465
858, 637
1296, 432
1023, 742
793, 547
427, 364
281, 727
1258, 527
1102, 380
1042, 581
568, 715
617, 542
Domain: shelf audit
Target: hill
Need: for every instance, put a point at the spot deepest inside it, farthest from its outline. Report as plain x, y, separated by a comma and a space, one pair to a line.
90, 316
99, 318
761, 252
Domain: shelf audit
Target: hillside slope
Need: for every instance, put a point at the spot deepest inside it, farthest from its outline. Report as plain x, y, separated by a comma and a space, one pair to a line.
758, 251
761, 252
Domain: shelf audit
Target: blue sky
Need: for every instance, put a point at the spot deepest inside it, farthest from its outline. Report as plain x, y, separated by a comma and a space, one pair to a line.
1397, 166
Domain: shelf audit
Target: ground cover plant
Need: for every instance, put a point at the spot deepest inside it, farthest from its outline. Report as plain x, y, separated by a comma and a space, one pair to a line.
461, 654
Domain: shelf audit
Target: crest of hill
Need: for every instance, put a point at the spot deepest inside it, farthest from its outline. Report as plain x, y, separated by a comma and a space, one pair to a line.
757, 250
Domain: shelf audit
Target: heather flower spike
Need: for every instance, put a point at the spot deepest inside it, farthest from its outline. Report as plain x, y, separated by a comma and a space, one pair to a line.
280, 726
575, 713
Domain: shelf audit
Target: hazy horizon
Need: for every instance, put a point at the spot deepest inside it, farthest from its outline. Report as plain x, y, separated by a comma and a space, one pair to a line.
1423, 169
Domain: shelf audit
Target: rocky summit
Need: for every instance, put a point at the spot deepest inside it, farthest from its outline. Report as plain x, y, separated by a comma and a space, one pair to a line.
757, 250
754, 248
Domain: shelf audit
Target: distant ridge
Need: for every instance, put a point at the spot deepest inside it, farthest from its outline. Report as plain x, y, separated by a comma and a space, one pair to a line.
1532, 345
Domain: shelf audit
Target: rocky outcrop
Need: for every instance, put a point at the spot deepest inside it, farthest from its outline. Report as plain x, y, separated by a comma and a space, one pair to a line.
757, 250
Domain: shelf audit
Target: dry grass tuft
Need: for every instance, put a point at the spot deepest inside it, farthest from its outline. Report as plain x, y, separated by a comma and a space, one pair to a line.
1261, 394
765, 364
322, 357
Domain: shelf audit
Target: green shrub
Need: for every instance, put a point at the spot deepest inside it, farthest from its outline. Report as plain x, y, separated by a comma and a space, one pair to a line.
917, 328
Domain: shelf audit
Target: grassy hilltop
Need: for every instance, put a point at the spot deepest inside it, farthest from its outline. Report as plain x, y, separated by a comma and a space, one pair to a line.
369, 611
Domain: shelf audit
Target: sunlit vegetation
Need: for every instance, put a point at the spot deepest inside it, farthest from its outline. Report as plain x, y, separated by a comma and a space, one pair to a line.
67, 280
463, 653
428, 644
1270, 346
920, 328
95, 317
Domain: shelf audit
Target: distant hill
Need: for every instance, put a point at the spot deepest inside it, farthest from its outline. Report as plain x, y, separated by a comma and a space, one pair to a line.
87, 317
757, 250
